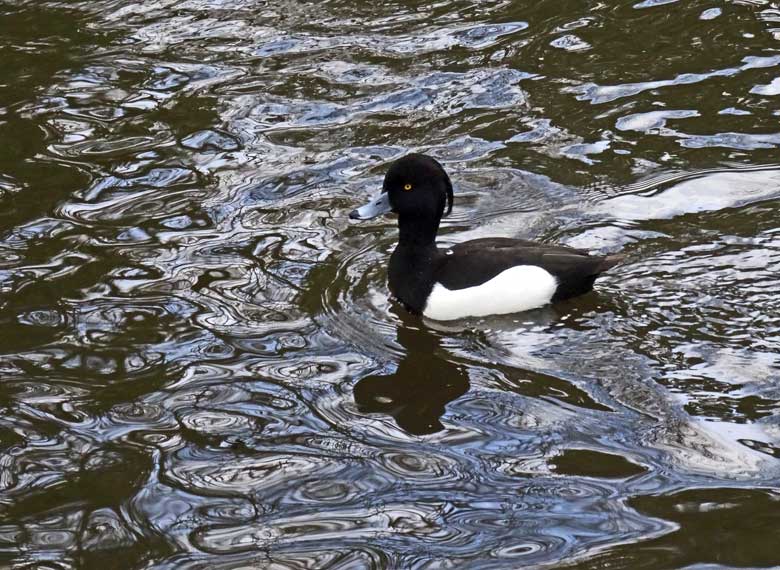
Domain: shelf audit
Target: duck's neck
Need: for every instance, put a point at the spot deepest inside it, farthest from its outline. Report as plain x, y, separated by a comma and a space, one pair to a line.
413, 263
416, 232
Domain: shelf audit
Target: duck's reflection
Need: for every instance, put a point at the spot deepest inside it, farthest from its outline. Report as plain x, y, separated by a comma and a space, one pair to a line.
422, 385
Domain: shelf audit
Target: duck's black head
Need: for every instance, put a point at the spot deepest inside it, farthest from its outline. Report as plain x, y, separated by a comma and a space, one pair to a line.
417, 186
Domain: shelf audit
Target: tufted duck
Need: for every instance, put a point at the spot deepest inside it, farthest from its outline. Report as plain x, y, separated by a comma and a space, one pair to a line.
475, 278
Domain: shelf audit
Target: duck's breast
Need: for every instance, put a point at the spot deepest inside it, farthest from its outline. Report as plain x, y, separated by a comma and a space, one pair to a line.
519, 288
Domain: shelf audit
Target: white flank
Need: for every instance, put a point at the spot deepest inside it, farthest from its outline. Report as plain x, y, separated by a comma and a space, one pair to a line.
516, 289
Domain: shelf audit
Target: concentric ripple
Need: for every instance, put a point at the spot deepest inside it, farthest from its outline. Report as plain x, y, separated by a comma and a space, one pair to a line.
201, 367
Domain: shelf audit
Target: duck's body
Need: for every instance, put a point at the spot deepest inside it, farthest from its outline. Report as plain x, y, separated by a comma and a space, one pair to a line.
474, 278
490, 276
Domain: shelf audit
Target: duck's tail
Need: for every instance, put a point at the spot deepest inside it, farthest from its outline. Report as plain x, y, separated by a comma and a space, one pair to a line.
610, 261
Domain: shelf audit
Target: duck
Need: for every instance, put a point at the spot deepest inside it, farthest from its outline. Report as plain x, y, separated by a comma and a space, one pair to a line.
475, 278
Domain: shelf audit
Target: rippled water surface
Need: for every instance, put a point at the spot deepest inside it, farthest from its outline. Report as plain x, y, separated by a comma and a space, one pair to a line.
199, 363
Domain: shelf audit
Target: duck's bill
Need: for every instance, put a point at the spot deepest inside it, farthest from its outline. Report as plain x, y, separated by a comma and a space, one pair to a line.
376, 207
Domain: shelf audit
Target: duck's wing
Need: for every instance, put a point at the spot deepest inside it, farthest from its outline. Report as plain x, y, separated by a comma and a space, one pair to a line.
484, 244
474, 262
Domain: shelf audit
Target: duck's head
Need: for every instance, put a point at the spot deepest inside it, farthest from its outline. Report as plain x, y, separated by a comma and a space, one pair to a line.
416, 186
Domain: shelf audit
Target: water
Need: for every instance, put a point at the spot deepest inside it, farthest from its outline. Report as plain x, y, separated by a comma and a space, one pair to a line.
200, 365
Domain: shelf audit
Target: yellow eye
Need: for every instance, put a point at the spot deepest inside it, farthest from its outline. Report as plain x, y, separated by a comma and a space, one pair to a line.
407, 187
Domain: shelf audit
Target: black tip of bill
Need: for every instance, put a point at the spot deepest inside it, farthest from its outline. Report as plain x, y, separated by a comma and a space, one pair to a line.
376, 207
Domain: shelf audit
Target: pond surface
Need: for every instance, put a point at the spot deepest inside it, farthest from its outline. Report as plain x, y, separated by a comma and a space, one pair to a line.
199, 363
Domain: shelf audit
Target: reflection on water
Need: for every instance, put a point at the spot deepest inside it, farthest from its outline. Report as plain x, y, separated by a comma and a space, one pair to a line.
199, 364
424, 382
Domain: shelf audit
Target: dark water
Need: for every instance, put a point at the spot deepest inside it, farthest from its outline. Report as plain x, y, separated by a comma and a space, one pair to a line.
200, 367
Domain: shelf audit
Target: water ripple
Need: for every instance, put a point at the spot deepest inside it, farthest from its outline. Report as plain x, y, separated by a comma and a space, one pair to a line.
201, 365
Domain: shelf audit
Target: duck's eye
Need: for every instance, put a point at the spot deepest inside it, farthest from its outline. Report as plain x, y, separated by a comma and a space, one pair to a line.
407, 187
